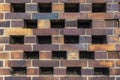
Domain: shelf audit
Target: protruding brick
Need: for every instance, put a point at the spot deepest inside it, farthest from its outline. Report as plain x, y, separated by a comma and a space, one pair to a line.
44, 24
4, 7
17, 31
58, 7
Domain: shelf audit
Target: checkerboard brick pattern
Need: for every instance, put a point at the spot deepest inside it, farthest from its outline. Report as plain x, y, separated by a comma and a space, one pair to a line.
59, 40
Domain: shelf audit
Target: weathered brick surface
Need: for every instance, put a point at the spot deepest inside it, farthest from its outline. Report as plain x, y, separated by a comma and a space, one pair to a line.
34, 42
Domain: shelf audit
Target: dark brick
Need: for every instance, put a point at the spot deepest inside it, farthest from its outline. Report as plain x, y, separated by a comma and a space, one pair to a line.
20, 63
73, 47
112, 7
1, 31
45, 32
72, 31
17, 23
17, 16
85, 7
72, 1
1, 63
101, 78
72, 78
45, 47
116, 0
117, 78
19, 1
17, 78
45, 16
99, 1
85, 39
74, 63
45, 1
18, 47
71, 24
99, 31
46, 63
4, 39
87, 72
45, 78
29, 39
100, 55
4, 23
31, 7
59, 71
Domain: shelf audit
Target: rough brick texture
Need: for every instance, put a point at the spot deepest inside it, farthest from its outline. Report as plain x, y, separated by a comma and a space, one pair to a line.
59, 39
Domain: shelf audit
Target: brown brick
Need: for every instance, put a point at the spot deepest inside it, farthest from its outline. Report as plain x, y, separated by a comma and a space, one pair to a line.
1, 78
1, 47
72, 31
73, 16
57, 39
97, 24
100, 15
102, 63
5, 71
113, 55
45, 32
29, 39
118, 47
32, 71
17, 55
17, 23
118, 63
85, 7
58, 7
4, 7
17, 31
45, 55
73, 78
74, 63
4, 39
114, 71
17, 78
4, 55
101, 78
46, 63
71, 24
112, 7
45, 47
116, 15
103, 47
72, 47
112, 39
18, 63
117, 31
59, 71
1, 15
18, 47
44, 24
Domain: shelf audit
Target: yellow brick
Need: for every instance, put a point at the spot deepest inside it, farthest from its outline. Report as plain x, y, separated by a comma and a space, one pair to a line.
103, 47
17, 31
58, 7
4, 7
106, 63
73, 55
43, 24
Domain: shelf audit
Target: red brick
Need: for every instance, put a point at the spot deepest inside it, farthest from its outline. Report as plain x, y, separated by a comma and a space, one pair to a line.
59, 71
114, 71
18, 47
1, 15
29, 39
32, 71
45, 55
73, 63
17, 55
5, 71
4, 40
17, 23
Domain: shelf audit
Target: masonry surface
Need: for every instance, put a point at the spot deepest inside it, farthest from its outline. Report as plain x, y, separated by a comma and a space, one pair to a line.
59, 39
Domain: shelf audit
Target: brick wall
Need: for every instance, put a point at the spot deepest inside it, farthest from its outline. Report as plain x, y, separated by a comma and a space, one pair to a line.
59, 40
